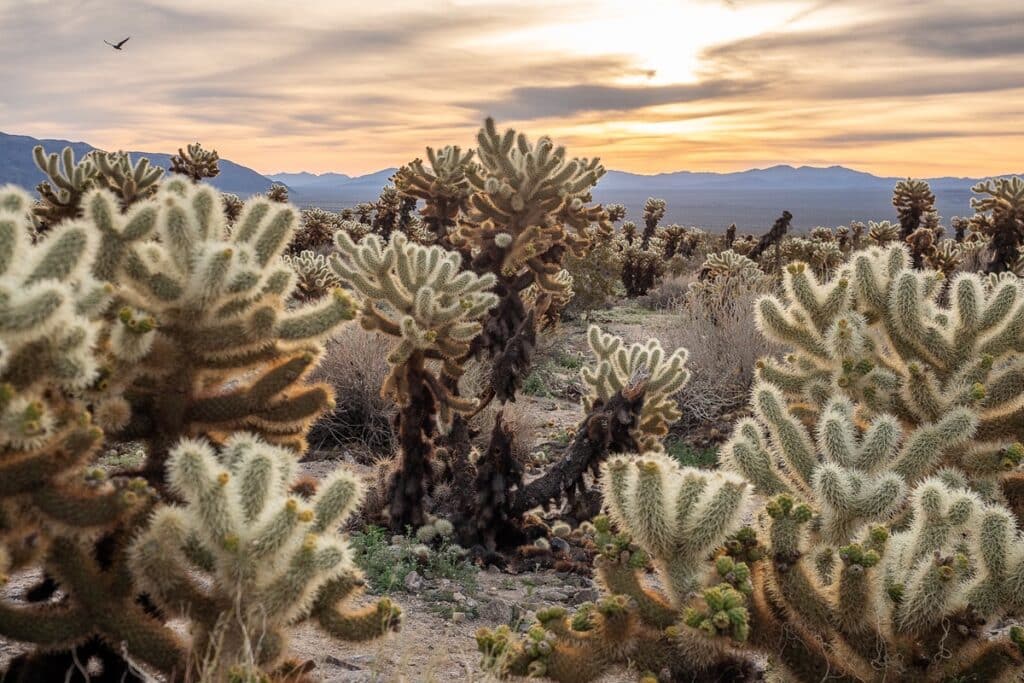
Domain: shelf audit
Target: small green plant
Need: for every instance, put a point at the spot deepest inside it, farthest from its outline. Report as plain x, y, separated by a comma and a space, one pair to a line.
689, 455
386, 560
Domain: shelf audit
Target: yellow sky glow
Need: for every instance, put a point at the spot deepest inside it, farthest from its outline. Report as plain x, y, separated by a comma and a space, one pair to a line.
915, 88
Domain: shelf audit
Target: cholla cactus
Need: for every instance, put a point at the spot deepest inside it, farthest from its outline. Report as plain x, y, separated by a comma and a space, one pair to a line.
233, 206
51, 504
679, 516
913, 200
242, 559
131, 182
61, 195
196, 163
1000, 214
314, 278
728, 264
420, 296
881, 234
198, 307
619, 365
853, 474
654, 211
316, 230
880, 333
278, 193
551, 304
945, 257
444, 189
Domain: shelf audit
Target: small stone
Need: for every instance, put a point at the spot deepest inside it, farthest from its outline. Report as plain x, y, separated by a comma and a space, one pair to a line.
552, 595
413, 581
585, 595
458, 597
458, 617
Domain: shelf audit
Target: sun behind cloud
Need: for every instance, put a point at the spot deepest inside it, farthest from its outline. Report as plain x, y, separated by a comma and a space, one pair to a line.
924, 88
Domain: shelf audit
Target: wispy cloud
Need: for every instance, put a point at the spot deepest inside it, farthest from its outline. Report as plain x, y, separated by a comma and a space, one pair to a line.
915, 86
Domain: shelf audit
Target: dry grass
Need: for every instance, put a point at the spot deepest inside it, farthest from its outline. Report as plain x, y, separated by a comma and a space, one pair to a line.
355, 364
724, 345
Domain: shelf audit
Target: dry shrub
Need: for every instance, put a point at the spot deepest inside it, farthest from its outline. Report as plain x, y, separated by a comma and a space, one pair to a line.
669, 294
355, 364
717, 327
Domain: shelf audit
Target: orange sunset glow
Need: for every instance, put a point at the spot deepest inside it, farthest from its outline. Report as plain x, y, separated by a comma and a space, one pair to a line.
921, 87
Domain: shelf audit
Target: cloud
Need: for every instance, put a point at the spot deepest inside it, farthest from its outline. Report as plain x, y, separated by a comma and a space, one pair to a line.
929, 86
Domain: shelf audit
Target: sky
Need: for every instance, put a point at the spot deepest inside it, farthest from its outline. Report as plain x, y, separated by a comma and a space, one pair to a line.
894, 87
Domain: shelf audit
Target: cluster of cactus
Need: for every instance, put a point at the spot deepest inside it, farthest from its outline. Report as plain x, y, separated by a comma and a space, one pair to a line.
148, 321
643, 256
316, 231
915, 206
60, 195
880, 333
618, 365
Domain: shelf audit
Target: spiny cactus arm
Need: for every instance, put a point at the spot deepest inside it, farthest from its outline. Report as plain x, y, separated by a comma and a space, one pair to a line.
45, 625
353, 625
92, 503
62, 191
1000, 577
819, 302
924, 449
618, 576
794, 444
111, 611
161, 567
745, 453
678, 525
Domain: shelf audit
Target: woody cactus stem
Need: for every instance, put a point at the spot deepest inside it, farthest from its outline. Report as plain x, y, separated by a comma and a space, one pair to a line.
420, 296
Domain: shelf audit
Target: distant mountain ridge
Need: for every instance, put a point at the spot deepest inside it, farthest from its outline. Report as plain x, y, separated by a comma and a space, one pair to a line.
752, 199
18, 167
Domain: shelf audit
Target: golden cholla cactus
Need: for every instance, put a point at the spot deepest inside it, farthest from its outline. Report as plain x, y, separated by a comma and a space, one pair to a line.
913, 200
619, 365
66, 183
196, 163
881, 333
881, 234
420, 296
243, 558
131, 182
201, 309
1000, 214
694, 626
314, 278
443, 187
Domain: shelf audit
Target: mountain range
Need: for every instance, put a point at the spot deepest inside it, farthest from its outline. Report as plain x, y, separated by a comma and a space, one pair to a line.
752, 199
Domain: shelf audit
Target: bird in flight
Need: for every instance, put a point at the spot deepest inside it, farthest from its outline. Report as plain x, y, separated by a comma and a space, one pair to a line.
117, 46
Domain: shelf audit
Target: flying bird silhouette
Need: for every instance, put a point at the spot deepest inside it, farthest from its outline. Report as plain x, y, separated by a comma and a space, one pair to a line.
118, 45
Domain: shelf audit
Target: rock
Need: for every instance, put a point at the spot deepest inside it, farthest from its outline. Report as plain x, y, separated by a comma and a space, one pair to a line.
458, 617
585, 595
458, 597
552, 595
497, 610
413, 581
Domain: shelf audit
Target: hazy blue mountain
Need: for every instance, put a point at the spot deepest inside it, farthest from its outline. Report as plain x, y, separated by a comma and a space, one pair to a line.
752, 199
17, 166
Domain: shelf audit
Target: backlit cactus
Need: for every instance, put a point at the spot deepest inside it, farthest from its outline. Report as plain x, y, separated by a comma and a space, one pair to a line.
196, 163
420, 296
1000, 217
913, 200
880, 333
618, 365
693, 628
314, 278
242, 559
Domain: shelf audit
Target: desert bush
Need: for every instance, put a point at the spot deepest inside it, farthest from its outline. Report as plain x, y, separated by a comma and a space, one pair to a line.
355, 366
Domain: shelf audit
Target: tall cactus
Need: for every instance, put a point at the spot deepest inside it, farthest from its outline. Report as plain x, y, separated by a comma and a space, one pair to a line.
243, 559
420, 296
999, 215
